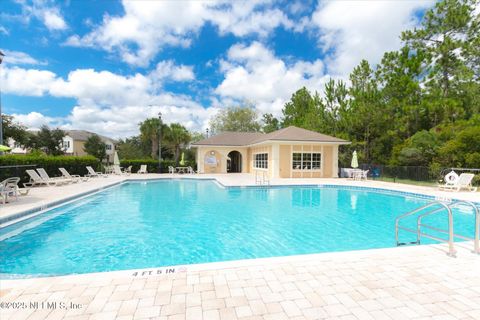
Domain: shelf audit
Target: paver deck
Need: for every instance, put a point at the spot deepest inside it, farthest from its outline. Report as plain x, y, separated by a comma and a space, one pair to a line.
419, 282
402, 283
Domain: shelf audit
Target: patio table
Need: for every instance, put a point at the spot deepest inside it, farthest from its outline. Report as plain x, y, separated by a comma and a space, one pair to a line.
182, 170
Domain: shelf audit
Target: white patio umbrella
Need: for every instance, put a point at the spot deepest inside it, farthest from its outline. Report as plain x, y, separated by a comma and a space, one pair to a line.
116, 160
354, 163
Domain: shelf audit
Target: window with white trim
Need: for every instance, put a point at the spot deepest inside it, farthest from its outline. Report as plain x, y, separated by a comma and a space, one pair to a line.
260, 161
306, 161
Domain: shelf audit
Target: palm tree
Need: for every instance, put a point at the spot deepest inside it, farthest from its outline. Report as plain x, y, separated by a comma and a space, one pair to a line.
149, 132
176, 137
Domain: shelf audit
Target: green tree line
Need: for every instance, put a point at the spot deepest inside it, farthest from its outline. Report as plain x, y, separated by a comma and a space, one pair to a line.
419, 106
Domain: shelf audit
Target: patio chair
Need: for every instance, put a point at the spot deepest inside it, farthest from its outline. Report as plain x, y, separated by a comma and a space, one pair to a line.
9, 188
59, 180
364, 175
143, 169
190, 170
93, 174
464, 182
74, 177
128, 170
36, 180
171, 169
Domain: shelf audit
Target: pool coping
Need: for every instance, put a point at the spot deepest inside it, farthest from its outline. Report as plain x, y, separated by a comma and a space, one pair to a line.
12, 279
45, 207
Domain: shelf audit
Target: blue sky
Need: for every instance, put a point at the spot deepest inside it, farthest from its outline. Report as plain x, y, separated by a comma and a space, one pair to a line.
105, 66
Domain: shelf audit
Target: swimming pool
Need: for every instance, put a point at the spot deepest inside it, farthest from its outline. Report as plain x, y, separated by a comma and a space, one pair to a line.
171, 222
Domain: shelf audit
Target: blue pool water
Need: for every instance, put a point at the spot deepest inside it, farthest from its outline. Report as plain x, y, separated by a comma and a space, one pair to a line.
171, 222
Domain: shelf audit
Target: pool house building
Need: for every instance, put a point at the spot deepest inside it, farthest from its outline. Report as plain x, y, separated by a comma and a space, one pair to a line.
286, 153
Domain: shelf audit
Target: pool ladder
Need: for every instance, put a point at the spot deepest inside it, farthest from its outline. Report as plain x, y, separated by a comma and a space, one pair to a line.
262, 179
437, 207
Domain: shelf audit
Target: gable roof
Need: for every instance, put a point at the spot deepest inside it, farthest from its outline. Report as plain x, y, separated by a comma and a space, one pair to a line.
249, 138
83, 135
230, 139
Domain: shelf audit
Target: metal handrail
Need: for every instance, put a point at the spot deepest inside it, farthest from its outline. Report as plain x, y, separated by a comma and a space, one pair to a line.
397, 220
476, 238
451, 234
451, 248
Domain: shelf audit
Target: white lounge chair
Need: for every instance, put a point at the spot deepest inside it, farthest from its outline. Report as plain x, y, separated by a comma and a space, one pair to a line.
74, 177
93, 174
464, 182
36, 180
143, 169
190, 170
171, 169
59, 180
9, 188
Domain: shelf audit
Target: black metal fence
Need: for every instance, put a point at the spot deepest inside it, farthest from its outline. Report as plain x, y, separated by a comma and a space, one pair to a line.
16, 171
415, 173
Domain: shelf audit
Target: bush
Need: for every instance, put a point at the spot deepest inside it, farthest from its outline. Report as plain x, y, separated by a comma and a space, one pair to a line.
152, 164
20, 163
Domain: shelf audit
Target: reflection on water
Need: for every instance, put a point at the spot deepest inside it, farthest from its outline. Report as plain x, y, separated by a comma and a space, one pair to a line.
353, 201
306, 197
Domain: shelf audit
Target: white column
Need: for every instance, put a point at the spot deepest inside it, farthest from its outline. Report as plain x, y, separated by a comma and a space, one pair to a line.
335, 162
275, 161
200, 160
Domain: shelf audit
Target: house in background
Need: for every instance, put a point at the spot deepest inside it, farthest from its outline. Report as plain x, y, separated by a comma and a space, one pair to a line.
73, 144
286, 153
74, 141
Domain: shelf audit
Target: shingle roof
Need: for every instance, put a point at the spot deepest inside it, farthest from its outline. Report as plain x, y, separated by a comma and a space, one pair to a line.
83, 135
230, 139
286, 134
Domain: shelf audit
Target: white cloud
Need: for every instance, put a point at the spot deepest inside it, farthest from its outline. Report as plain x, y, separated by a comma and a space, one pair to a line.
242, 18
43, 10
18, 58
53, 20
108, 103
356, 30
167, 70
148, 26
26, 82
4, 30
122, 121
34, 120
254, 74
102, 87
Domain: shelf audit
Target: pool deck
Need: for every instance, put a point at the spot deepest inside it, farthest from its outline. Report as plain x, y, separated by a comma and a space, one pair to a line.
417, 282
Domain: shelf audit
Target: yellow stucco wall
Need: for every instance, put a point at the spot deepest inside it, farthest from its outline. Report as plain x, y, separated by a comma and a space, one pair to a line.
260, 149
282, 167
78, 148
285, 161
221, 154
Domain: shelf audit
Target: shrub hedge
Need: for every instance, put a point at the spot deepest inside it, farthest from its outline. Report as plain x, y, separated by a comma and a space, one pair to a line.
20, 163
75, 165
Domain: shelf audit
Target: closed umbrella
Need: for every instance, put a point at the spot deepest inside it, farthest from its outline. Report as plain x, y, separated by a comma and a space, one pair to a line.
116, 160
354, 163
182, 160
4, 148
